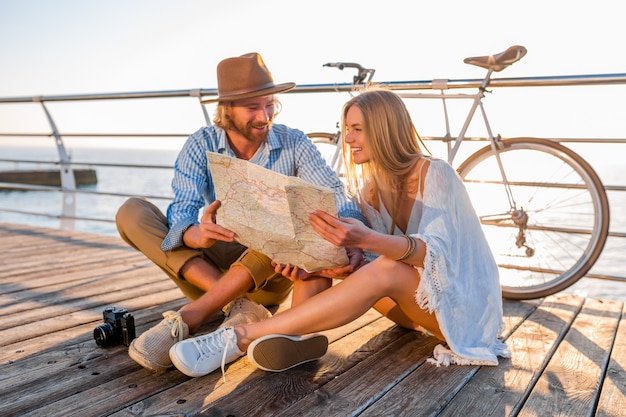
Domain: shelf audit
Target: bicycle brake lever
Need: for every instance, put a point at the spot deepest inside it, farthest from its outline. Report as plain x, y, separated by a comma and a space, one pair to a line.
334, 65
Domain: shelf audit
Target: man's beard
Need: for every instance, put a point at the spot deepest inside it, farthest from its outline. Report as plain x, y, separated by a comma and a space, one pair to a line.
249, 132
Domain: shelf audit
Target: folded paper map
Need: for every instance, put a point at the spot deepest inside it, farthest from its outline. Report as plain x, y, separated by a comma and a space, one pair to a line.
269, 212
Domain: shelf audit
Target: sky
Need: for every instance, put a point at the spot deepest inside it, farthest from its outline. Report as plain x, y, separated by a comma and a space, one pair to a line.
67, 47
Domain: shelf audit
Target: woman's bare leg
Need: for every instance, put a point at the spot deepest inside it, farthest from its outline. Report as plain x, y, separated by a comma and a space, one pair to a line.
346, 301
307, 288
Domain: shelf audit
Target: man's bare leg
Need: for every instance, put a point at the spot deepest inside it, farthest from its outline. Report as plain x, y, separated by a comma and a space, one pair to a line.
200, 273
234, 283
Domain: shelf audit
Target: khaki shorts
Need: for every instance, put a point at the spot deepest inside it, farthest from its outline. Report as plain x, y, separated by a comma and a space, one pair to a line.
143, 226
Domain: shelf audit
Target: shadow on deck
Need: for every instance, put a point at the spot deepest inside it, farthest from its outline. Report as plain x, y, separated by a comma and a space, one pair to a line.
569, 353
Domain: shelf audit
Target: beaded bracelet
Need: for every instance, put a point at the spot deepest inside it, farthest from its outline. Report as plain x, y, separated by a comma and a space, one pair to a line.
409, 250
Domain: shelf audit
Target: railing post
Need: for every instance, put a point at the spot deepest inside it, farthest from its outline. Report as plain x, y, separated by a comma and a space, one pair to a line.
68, 182
198, 93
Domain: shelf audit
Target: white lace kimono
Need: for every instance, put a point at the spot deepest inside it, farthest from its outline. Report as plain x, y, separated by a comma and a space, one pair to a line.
459, 281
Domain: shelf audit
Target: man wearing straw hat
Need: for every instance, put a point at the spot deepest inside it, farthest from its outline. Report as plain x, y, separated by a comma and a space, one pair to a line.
201, 257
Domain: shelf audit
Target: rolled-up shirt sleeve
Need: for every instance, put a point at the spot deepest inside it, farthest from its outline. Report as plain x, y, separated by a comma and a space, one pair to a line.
190, 177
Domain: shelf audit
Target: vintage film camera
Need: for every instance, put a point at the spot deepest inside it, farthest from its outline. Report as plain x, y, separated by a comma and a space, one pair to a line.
118, 327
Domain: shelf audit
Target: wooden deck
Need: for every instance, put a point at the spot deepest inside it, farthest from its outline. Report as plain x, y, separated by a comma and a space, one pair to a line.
569, 353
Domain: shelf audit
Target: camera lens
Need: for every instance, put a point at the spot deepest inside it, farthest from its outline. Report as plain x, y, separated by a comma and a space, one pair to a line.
104, 335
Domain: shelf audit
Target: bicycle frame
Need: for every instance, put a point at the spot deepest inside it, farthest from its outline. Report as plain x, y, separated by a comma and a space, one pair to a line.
561, 225
476, 103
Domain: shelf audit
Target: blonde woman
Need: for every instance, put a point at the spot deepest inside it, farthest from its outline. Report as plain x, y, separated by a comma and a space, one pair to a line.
429, 267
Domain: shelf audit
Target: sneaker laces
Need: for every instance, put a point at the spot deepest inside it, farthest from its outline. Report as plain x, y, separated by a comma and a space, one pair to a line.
210, 345
233, 305
175, 321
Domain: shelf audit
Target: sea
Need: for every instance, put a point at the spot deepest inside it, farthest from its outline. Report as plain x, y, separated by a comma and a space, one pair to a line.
136, 179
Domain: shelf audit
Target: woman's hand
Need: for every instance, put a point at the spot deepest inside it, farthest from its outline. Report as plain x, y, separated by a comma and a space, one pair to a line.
347, 232
205, 234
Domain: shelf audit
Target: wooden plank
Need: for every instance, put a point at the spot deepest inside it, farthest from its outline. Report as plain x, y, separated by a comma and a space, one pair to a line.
77, 378
182, 393
500, 390
55, 283
90, 385
75, 257
368, 380
55, 299
279, 390
570, 384
429, 389
82, 369
78, 349
69, 258
100, 269
71, 329
83, 311
613, 397
39, 242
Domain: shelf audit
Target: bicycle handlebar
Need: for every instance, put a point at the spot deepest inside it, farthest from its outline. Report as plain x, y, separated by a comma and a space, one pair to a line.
496, 62
363, 74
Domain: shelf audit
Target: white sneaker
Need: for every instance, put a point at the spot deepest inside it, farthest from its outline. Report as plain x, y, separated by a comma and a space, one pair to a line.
244, 311
277, 352
202, 355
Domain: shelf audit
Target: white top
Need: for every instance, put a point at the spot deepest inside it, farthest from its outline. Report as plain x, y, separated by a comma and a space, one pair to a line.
459, 281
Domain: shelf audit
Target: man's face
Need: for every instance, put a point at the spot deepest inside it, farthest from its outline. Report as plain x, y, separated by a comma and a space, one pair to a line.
252, 118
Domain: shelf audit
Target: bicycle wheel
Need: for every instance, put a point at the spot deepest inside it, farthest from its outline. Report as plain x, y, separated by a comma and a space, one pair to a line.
561, 220
328, 145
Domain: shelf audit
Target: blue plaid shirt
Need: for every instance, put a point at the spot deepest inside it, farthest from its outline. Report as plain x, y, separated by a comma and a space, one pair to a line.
287, 151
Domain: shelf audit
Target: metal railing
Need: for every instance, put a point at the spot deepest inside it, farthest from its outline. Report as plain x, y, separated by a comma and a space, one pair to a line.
69, 190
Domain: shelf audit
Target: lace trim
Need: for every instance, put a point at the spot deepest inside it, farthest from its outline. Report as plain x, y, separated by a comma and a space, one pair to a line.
445, 357
432, 277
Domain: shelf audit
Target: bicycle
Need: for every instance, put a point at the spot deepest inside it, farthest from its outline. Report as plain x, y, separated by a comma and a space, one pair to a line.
543, 208
328, 143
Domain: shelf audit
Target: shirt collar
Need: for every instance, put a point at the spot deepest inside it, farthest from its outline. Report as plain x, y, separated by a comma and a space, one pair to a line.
222, 143
273, 141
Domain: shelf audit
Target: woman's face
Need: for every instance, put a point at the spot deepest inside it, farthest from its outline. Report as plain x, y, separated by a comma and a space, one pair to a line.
355, 136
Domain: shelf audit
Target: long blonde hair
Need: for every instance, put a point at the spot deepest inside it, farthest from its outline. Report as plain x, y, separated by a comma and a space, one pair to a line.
391, 137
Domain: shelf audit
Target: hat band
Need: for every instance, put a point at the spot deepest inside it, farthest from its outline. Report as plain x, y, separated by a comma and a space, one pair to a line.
250, 90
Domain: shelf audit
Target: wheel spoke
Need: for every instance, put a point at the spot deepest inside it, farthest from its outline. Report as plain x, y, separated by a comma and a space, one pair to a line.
567, 213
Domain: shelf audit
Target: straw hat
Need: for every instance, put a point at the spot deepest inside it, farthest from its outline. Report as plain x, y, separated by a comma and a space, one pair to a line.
245, 77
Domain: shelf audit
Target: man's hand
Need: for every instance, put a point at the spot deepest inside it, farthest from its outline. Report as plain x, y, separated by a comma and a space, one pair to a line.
356, 260
293, 273
205, 234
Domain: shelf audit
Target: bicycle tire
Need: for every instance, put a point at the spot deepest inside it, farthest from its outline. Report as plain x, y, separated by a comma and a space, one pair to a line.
327, 145
567, 211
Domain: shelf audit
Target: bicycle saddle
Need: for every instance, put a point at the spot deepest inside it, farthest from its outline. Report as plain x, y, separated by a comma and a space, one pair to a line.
500, 61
